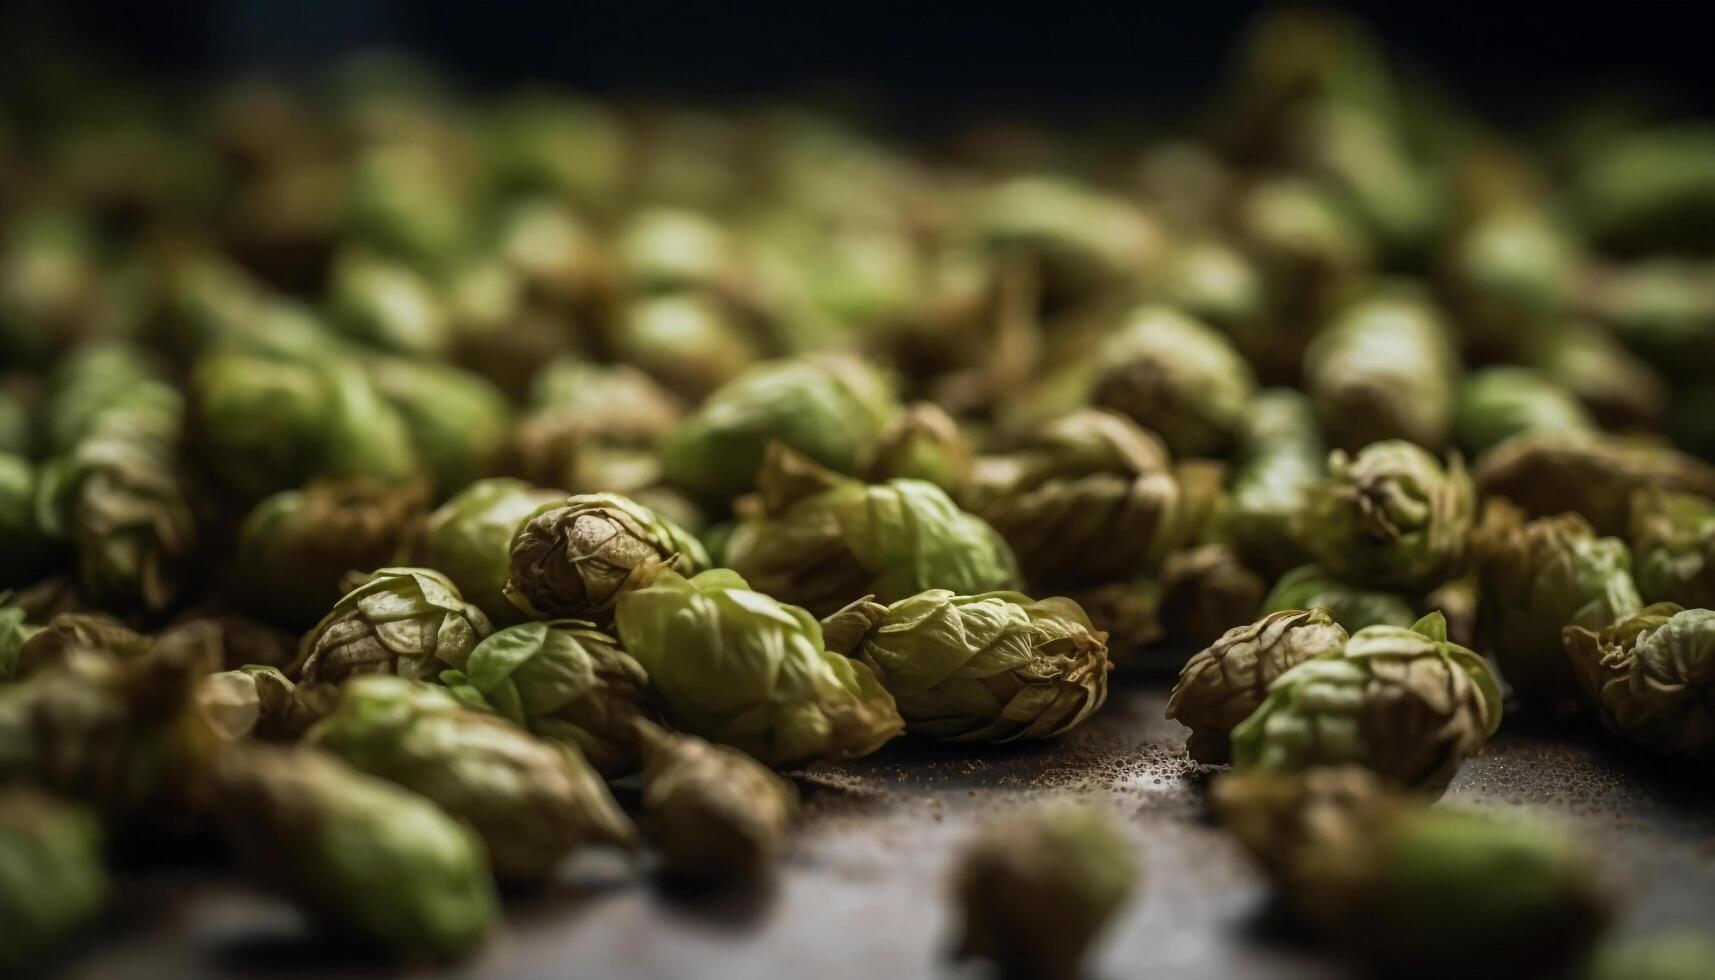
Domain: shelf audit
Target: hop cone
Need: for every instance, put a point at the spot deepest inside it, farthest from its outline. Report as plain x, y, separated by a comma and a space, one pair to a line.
1404, 703
406, 621
988, 668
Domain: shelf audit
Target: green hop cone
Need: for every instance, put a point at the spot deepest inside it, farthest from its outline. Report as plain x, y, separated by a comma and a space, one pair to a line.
406, 621
1590, 474
576, 556
460, 425
563, 680
367, 858
1662, 307
737, 667
532, 801
1036, 889
260, 702
831, 408
52, 878
1391, 516
1079, 240
1497, 403
1411, 890
1224, 683
1383, 370
993, 667
823, 540
689, 342
469, 540
710, 810
1511, 273
127, 511
1404, 703
1088, 498
1176, 377
925, 443
104, 386
1537, 578
1651, 677
1281, 460
387, 305
296, 547
1673, 542
264, 422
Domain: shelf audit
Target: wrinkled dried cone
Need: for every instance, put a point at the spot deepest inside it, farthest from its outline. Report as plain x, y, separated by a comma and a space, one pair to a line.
575, 558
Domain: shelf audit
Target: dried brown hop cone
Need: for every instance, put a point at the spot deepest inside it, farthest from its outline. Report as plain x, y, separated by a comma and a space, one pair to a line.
1222, 685
406, 621
1413, 890
1651, 677
533, 801
1037, 888
711, 810
576, 557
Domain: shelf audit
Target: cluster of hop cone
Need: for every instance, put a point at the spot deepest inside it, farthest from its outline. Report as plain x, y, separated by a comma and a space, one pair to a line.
386, 472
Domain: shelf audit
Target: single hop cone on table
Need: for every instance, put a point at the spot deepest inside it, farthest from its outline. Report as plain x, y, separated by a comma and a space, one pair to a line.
1036, 889
364, 857
1407, 889
52, 876
711, 810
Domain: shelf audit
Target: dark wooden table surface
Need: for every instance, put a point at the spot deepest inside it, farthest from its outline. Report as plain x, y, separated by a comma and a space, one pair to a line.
862, 892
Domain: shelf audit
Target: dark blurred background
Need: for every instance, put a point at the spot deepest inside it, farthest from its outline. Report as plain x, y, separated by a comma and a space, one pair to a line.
921, 59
